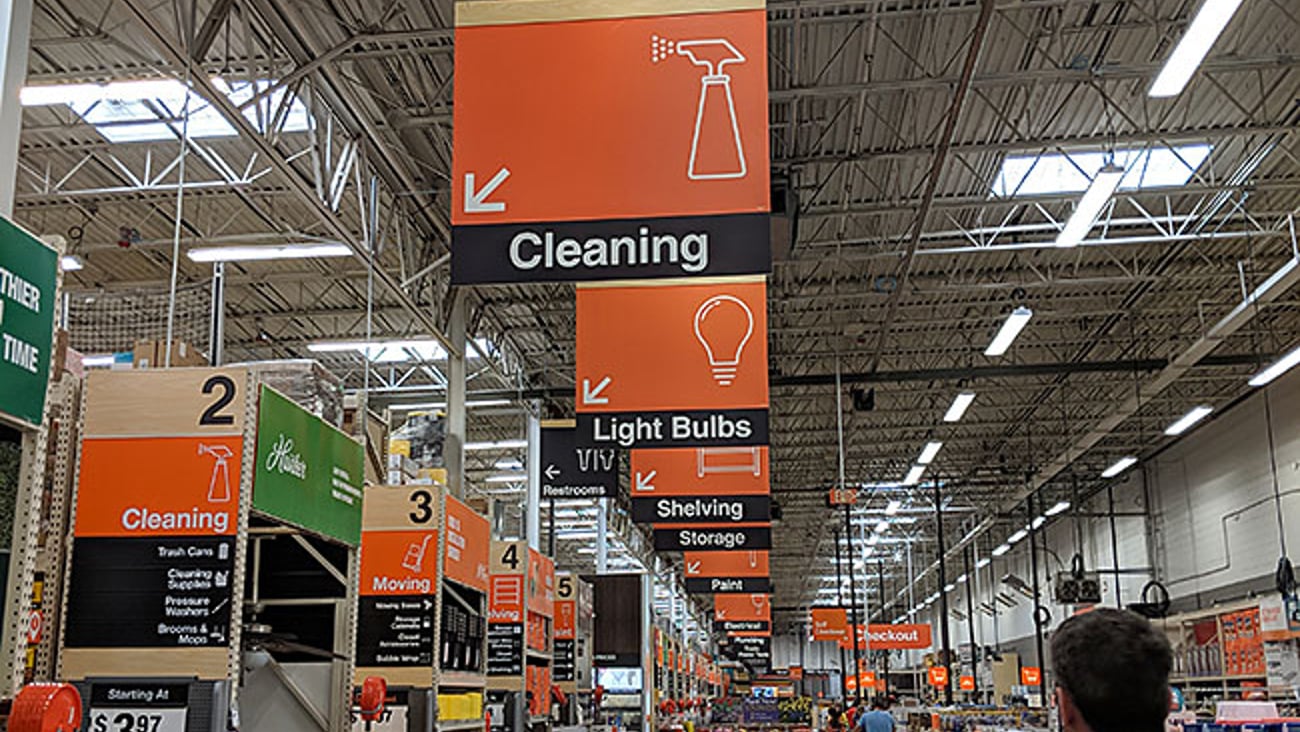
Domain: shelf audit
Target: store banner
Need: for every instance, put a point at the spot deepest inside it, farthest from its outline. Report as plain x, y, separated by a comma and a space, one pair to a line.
468, 544
966, 683
829, 623
650, 158
938, 676
29, 275
705, 471
541, 584
906, 636
569, 471
673, 366
742, 607
731, 538
399, 583
309, 473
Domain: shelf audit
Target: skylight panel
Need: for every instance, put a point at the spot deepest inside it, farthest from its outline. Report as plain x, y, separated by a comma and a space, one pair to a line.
1053, 173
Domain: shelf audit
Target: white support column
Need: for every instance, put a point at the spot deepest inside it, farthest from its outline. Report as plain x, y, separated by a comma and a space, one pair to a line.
15, 36
453, 447
602, 528
533, 504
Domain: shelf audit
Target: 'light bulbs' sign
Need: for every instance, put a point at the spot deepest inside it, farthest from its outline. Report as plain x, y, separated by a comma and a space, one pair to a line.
673, 366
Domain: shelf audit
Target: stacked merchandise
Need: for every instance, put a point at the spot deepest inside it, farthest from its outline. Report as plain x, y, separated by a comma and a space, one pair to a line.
461, 637
978, 720
1243, 644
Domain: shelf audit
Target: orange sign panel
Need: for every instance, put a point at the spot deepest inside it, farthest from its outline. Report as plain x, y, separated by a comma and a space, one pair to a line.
565, 619
673, 366
608, 118
701, 471
161, 486
506, 598
938, 676
399, 563
468, 541
541, 584
830, 624
742, 607
726, 564
966, 683
899, 636
1031, 676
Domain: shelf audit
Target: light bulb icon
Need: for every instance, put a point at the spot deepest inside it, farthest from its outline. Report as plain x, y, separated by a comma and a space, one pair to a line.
724, 324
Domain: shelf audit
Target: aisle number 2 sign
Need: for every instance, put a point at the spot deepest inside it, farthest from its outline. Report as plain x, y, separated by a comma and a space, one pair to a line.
599, 140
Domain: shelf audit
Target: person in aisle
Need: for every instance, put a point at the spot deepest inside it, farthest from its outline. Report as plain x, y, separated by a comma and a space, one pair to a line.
834, 719
1112, 673
851, 716
878, 719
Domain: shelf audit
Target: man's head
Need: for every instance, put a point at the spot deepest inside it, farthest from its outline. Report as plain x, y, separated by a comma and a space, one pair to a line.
1112, 673
880, 702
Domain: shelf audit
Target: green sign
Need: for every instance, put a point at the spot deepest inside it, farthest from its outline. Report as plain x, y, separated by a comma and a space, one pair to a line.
309, 474
28, 275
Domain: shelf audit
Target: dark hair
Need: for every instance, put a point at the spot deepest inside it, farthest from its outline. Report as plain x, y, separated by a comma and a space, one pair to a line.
880, 702
1115, 666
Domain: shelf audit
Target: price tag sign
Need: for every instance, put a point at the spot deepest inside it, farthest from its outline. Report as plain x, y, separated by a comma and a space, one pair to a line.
138, 707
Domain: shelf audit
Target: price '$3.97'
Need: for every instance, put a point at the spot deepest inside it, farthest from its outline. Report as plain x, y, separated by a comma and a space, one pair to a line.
137, 720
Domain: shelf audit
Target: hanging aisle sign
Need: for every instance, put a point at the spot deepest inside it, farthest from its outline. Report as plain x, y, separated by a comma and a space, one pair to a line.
28, 288
569, 471
726, 572
673, 366
596, 140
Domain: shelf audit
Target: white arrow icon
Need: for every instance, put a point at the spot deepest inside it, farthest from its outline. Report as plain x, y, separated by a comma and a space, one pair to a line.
476, 201
722, 615
552, 471
593, 396
693, 568
643, 480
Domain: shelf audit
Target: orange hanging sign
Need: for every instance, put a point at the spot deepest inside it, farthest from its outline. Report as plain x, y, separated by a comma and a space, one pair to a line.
728, 471
966, 683
742, 607
830, 624
1031, 676
468, 541
938, 676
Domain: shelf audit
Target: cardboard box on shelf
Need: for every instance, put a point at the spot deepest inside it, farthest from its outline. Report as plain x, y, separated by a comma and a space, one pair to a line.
153, 354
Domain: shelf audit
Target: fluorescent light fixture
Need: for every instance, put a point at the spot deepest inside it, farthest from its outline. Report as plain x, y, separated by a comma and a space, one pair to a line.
1001, 549
1038, 522
506, 478
961, 579
949, 587
1186, 422
508, 464
873, 539
71, 263
434, 406
1094, 200
960, 404
914, 475
1060, 507
1146, 167
98, 361
1281, 366
1015, 323
985, 561
1120, 466
929, 452
869, 551
882, 527
893, 507
497, 445
46, 95
932, 598
319, 250
1192, 48
1018, 536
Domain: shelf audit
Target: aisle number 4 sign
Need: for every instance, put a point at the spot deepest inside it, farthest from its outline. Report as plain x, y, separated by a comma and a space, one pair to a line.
599, 140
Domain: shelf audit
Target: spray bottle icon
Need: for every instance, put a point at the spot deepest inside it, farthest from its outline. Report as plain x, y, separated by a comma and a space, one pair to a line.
716, 150
219, 486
